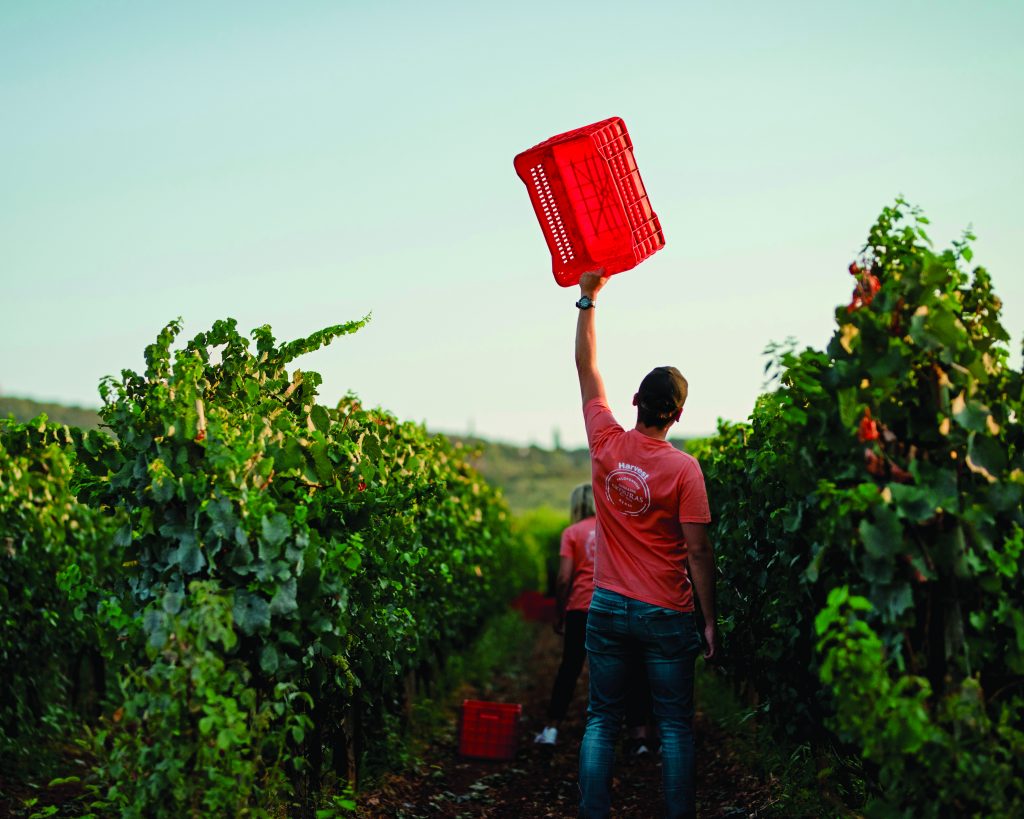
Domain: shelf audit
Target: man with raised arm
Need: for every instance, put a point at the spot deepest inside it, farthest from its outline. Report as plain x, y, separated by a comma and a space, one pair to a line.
653, 552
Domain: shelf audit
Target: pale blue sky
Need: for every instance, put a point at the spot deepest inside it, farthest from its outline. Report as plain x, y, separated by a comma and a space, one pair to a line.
303, 164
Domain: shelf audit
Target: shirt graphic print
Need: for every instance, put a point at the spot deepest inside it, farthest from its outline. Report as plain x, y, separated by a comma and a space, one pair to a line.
627, 490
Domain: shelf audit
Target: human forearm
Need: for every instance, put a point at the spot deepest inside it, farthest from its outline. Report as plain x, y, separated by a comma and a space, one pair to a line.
701, 561
702, 575
563, 587
561, 598
586, 343
591, 385
563, 584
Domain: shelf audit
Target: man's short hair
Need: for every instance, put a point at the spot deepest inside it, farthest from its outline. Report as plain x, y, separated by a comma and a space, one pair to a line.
661, 395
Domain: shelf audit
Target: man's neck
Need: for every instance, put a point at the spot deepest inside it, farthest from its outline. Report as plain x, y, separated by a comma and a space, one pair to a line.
658, 433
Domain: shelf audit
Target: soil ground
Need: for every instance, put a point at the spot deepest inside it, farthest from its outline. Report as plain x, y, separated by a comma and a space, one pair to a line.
541, 781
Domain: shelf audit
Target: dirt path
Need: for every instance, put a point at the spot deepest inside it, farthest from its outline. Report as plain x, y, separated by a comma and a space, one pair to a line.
541, 781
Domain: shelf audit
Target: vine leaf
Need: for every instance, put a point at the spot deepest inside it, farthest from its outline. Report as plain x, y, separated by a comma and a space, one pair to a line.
284, 601
251, 613
276, 529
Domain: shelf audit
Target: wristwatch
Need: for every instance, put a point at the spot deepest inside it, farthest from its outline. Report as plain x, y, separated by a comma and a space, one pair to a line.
585, 303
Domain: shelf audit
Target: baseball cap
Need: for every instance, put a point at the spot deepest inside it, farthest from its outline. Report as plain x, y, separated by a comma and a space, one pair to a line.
663, 391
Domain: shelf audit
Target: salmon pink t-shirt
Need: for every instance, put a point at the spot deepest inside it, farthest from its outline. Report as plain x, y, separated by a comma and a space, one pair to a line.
644, 489
578, 543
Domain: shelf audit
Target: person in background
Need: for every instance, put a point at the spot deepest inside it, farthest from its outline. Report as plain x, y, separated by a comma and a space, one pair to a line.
652, 514
574, 587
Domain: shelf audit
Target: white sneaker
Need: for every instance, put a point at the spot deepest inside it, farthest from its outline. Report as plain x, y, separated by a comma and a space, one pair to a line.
546, 737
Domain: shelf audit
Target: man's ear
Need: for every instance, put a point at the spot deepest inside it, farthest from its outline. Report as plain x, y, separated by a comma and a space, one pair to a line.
636, 399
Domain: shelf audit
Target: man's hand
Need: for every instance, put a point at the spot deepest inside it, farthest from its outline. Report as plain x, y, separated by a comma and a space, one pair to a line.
710, 642
591, 283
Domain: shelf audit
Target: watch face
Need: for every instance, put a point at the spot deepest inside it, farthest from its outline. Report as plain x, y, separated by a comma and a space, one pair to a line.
584, 302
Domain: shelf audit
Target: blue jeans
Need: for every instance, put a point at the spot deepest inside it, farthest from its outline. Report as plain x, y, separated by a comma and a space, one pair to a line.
618, 629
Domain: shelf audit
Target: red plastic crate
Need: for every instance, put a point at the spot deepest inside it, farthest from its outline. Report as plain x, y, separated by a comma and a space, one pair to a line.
535, 607
488, 730
590, 201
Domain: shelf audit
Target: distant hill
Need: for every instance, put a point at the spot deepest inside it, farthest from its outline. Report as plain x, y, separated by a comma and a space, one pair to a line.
25, 409
529, 476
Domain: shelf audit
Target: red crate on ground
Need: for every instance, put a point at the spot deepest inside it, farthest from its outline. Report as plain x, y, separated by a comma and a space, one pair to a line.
590, 201
535, 607
488, 730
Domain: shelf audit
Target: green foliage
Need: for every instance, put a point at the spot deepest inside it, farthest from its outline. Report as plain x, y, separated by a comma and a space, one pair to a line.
890, 464
352, 547
502, 645
339, 805
540, 530
193, 737
506, 640
804, 780
942, 760
47, 541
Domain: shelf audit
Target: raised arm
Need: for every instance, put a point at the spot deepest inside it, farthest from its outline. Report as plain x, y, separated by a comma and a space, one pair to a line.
591, 383
701, 557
